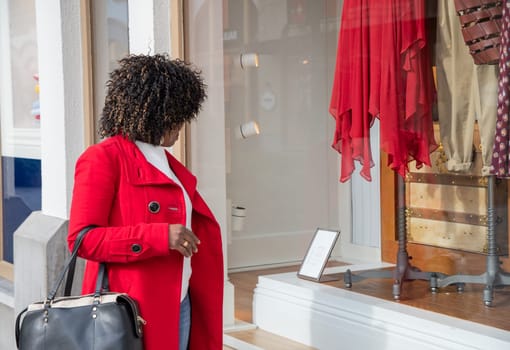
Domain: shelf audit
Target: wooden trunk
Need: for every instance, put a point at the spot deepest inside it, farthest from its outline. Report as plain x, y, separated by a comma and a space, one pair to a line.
449, 210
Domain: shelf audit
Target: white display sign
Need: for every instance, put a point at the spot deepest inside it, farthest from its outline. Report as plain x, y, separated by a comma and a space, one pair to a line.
318, 253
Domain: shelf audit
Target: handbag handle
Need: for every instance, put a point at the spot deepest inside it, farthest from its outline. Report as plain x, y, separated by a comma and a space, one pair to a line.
70, 266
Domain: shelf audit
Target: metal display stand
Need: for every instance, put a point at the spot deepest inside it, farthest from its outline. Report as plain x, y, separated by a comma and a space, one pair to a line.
403, 271
494, 276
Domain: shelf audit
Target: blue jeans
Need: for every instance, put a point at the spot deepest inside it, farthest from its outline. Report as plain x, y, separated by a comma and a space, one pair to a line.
185, 323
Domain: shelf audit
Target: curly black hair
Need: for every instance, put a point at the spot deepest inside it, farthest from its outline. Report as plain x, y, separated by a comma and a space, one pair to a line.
148, 95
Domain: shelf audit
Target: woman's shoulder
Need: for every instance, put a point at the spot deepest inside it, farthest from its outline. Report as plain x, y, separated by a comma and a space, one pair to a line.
112, 144
108, 148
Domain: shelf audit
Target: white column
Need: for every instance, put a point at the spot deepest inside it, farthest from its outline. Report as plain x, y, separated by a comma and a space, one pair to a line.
162, 33
366, 203
61, 98
141, 26
149, 26
360, 217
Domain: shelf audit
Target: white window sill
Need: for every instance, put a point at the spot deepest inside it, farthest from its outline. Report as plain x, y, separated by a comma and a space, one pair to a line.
6, 292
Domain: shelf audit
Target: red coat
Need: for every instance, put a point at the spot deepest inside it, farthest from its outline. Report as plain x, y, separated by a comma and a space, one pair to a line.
114, 185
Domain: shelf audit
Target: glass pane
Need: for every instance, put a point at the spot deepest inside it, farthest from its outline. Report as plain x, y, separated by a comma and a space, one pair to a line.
277, 55
21, 195
21, 172
111, 43
281, 173
24, 65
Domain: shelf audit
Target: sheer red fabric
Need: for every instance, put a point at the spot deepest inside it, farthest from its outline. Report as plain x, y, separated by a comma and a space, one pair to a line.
349, 100
383, 70
406, 110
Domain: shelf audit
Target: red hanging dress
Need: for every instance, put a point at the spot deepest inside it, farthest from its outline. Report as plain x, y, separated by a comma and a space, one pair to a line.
383, 71
349, 100
407, 90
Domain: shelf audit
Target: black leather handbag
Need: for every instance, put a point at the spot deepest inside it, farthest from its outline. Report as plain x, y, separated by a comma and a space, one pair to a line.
102, 320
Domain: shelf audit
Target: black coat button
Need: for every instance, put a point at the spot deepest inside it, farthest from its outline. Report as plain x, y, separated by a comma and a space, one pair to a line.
136, 248
154, 207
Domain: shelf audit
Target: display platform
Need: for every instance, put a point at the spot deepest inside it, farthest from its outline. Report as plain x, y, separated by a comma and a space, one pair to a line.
331, 318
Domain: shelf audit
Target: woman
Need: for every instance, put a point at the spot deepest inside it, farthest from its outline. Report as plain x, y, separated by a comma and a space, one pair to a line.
161, 243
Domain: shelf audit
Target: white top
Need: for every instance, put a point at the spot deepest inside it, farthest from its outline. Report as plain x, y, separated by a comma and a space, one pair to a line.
157, 157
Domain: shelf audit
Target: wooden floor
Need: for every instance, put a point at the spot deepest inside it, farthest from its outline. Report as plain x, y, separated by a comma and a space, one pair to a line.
467, 305
244, 284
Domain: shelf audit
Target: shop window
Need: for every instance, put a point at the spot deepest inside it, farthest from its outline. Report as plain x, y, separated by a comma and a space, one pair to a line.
271, 63
110, 40
20, 138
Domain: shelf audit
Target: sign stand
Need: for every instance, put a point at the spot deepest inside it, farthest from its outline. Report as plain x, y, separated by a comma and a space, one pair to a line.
317, 256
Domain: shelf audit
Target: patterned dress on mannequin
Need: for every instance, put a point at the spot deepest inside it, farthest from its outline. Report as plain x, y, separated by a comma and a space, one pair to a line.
500, 157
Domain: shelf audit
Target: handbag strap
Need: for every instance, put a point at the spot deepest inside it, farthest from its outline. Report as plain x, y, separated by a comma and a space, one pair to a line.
17, 326
101, 281
70, 266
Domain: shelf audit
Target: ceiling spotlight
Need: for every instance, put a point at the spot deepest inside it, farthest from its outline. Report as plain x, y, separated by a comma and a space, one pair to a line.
249, 60
248, 129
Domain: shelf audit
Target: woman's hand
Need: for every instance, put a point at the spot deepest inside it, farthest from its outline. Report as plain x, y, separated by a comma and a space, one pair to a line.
182, 240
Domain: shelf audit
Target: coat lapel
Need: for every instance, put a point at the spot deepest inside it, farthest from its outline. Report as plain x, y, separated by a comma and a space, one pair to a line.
188, 180
139, 171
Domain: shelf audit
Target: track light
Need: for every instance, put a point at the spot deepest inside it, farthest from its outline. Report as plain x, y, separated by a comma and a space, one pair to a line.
249, 60
248, 129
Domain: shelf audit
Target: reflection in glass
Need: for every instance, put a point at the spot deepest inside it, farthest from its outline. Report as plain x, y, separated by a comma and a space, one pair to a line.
21, 195
20, 172
286, 176
24, 65
111, 43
